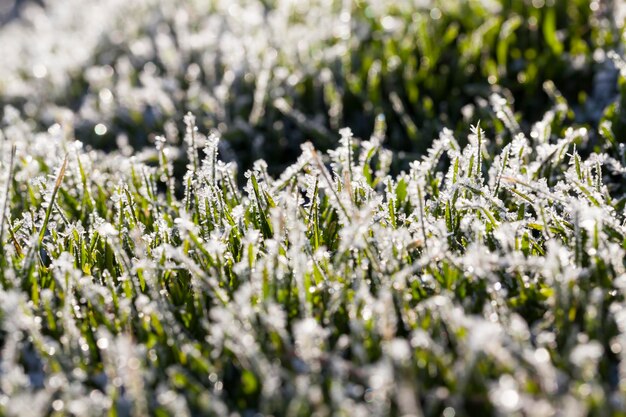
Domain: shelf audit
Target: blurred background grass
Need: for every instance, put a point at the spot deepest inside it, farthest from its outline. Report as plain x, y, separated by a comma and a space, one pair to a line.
272, 74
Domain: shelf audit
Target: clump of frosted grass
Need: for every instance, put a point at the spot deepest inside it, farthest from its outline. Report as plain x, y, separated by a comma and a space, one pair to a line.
486, 279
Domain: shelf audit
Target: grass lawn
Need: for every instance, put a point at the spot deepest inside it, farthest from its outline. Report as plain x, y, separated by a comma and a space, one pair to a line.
313, 208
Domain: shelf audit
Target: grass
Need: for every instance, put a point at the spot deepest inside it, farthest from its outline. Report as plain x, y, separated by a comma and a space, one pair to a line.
424, 67
432, 266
